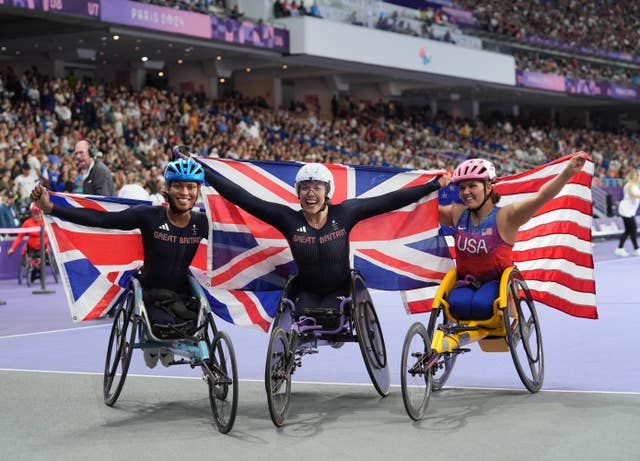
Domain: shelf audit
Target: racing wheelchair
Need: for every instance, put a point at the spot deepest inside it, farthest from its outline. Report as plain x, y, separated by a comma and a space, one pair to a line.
29, 268
429, 353
297, 332
199, 344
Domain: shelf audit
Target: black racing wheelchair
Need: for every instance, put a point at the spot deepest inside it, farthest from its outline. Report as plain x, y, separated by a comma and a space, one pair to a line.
297, 332
198, 343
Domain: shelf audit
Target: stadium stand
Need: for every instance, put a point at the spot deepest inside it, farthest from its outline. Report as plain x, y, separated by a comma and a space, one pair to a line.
134, 128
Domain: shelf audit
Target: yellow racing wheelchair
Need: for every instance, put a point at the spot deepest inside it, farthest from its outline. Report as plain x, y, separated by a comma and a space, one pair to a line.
429, 353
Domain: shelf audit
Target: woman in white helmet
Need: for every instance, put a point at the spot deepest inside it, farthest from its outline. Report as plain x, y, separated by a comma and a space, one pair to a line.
318, 234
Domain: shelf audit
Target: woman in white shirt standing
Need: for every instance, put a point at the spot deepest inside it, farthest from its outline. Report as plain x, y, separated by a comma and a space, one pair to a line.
627, 209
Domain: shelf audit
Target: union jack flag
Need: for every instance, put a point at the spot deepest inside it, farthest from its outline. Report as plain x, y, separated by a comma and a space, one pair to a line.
95, 264
250, 260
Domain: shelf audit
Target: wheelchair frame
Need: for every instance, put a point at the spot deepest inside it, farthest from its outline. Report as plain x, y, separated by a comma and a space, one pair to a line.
31, 265
207, 348
292, 338
429, 353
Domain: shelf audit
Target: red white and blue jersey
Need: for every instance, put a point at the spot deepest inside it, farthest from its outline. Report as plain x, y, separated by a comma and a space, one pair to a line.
480, 250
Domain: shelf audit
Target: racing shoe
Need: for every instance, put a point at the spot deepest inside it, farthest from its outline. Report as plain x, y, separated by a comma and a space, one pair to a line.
151, 357
166, 358
621, 252
636, 252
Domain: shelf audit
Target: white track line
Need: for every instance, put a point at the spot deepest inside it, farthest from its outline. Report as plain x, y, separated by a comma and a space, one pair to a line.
21, 335
316, 383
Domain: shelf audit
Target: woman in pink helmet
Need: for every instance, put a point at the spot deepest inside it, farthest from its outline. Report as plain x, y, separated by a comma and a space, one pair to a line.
485, 233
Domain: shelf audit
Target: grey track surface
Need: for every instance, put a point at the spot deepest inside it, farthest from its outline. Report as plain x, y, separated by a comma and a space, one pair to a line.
61, 416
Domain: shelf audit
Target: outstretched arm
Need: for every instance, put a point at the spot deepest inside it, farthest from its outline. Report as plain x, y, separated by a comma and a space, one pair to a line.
268, 212
363, 208
126, 219
515, 215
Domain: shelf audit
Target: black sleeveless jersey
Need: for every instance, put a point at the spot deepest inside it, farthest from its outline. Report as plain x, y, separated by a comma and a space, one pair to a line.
322, 255
168, 249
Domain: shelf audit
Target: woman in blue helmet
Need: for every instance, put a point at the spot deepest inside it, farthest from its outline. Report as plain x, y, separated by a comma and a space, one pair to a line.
170, 238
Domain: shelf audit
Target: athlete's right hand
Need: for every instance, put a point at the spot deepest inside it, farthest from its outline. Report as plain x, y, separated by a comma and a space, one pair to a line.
40, 195
180, 152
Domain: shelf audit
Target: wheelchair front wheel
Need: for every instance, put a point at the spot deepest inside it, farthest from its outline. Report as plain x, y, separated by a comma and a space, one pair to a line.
523, 334
442, 369
415, 375
223, 390
277, 376
120, 349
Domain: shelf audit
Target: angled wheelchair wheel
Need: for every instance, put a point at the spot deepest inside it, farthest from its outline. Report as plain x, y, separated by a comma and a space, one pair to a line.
415, 374
523, 333
277, 376
120, 349
23, 271
53, 266
370, 338
442, 369
223, 390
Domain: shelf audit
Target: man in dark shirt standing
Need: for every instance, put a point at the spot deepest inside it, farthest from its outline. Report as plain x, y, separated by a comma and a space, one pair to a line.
98, 179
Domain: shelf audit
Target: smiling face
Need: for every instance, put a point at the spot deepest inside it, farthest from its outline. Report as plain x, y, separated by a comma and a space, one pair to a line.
312, 195
183, 195
473, 192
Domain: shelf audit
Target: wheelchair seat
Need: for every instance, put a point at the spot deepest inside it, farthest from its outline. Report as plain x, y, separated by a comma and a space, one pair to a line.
181, 330
327, 317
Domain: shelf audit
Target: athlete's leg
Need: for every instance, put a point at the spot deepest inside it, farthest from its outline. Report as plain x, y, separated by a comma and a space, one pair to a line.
482, 302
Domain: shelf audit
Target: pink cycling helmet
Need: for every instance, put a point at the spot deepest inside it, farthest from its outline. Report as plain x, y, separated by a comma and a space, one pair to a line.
474, 168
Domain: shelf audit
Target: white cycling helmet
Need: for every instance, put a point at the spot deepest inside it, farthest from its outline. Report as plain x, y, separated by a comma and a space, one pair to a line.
315, 172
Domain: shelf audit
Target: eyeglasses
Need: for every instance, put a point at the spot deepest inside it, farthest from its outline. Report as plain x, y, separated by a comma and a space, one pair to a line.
316, 187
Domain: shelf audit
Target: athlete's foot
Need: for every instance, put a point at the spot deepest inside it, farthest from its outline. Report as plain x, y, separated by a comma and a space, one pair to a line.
151, 357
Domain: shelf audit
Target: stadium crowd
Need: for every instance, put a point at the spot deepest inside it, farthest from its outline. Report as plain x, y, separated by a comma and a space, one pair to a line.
612, 26
575, 67
42, 118
514, 19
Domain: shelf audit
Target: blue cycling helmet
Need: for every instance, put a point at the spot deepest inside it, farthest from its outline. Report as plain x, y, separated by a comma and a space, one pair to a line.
184, 169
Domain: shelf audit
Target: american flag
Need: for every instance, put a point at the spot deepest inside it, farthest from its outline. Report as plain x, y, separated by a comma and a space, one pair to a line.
553, 251
250, 260
95, 264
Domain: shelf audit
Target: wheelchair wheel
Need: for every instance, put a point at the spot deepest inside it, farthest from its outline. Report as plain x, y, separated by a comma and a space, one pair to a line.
223, 391
370, 338
23, 271
523, 334
120, 350
444, 366
53, 266
277, 376
415, 377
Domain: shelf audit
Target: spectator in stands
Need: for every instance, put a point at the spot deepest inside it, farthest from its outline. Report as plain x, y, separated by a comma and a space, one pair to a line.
278, 9
133, 189
98, 179
314, 10
24, 183
628, 208
235, 13
8, 212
